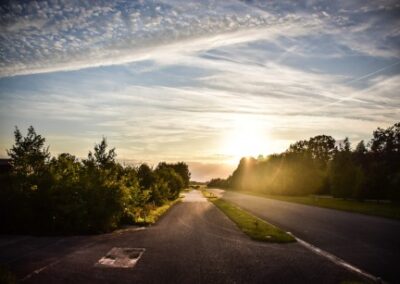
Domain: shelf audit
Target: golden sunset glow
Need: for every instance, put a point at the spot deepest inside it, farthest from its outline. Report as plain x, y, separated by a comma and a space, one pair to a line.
248, 138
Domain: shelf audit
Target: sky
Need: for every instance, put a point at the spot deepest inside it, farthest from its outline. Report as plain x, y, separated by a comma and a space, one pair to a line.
205, 82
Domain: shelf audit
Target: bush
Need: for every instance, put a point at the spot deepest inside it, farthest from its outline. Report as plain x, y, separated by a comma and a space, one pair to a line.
65, 195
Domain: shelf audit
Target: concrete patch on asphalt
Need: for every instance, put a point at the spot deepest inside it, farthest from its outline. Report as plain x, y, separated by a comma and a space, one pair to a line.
121, 258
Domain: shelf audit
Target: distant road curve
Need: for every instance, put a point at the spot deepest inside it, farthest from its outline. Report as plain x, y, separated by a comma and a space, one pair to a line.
370, 243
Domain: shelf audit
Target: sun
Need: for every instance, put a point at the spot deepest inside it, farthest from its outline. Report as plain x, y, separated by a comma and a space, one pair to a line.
245, 140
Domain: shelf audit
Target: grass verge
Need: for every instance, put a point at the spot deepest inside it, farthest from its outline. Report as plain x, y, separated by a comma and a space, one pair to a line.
254, 227
156, 213
385, 210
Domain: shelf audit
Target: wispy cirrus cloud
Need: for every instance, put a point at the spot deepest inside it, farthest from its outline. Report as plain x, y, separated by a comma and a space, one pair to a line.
43, 36
50, 36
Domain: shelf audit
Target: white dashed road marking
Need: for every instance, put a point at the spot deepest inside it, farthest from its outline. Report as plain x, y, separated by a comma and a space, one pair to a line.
337, 260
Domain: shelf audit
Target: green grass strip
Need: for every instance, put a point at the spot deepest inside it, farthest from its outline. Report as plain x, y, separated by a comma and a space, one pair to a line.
155, 214
254, 227
391, 210
208, 194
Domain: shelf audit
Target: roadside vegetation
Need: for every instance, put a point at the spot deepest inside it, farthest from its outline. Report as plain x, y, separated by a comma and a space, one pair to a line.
254, 227
63, 194
197, 185
155, 213
323, 166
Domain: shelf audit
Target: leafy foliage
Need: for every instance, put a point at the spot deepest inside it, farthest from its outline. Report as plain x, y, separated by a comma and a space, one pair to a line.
218, 182
28, 155
321, 165
66, 195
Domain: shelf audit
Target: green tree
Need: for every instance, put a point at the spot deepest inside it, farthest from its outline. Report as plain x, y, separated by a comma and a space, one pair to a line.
29, 154
66, 195
346, 175
146, 176
104, 189
166, 174
361, 148
386, 141
102, 157
384, 165
320, 147
345, 146
182, 169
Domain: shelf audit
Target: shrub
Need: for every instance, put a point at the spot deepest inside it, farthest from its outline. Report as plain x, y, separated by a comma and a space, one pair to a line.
65, 195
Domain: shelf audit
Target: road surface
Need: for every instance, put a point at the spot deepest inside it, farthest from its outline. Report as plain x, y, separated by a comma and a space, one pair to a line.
193, 243
370, 243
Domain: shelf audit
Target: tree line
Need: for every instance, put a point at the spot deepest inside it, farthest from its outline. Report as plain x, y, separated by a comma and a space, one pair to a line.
44, 194
321, 165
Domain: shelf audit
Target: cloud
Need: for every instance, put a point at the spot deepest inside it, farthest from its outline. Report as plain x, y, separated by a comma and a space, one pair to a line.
51, 36
59, 36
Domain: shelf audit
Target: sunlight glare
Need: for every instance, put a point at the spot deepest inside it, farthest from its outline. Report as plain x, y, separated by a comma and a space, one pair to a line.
246, 139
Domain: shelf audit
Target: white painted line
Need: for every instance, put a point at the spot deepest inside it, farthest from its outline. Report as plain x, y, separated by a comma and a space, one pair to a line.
337, 260
37, 271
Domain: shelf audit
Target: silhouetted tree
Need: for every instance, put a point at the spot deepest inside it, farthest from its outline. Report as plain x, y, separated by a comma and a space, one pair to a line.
101, 157
384, 165
386, 141
360, 148
345, 146
347, 178
321, 148
28, 154
146, 176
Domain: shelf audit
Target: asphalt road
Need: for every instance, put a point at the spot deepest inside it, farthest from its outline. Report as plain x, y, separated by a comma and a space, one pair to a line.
370, 243
193, 243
